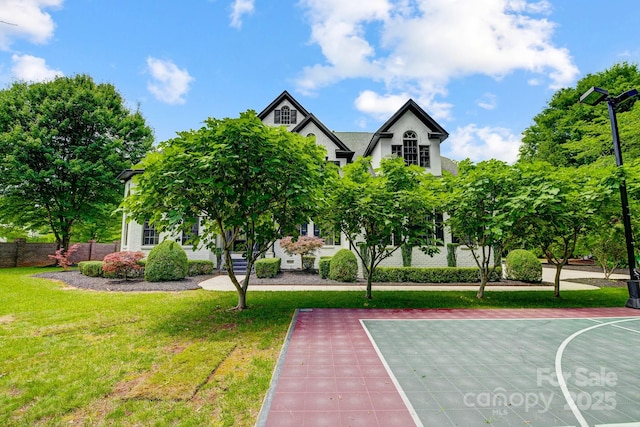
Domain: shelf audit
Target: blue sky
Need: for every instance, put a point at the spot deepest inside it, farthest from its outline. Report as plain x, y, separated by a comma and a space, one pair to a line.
482, 69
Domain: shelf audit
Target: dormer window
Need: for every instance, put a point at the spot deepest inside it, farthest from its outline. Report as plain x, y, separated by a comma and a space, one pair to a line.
410, 147
411, 152
285, 116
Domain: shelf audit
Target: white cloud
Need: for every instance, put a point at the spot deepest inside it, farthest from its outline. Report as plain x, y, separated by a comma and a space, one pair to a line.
383, 106
418, 46
488, 101
26, 19
239, 9
483, 143
169, 83
32, 69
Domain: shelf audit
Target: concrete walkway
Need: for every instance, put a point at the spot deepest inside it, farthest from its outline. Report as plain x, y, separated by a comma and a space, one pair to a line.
222, 283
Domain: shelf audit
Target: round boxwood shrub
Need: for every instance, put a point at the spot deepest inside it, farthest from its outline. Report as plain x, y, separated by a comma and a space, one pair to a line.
343, 266
166, 261
323, 266
524, 266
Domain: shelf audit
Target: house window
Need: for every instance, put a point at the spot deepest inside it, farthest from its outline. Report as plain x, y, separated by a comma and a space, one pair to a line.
149, 234
411, 152
437, 236
187, 236
410, 147
329, 239
285, 116
304, 229
425, 158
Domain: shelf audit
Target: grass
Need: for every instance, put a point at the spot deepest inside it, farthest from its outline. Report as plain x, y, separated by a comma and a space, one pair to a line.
74, 357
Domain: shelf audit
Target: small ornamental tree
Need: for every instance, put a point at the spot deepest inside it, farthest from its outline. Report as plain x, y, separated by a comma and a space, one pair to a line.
122, 264
554, 207
380, 211
62, 256
243, 178
304, 245
477, 201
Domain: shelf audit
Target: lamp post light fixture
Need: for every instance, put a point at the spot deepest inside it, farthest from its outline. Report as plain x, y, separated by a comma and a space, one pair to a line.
594, 96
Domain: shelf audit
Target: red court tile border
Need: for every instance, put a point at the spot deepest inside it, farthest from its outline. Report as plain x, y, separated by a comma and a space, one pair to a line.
329, 373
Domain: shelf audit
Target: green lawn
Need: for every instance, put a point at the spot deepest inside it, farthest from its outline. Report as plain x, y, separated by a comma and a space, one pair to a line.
75, 357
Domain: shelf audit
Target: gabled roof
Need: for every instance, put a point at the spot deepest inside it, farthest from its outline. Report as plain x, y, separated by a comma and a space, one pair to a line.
127, 174
341, 152
356, 141
283, 96
410, 106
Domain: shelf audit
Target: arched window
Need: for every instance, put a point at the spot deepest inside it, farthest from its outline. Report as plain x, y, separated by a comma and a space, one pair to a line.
285, 115
411, 152
410, 147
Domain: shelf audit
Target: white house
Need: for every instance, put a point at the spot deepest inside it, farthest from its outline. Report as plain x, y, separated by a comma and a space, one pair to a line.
410, 133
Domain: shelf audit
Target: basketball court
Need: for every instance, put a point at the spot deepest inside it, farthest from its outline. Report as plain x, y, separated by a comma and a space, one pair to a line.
542, 367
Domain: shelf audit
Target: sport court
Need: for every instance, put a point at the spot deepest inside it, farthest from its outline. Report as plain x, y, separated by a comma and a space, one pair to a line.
543, 367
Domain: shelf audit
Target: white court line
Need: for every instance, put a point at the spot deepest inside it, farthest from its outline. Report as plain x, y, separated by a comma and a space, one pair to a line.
619, 425
404, 397
563, 383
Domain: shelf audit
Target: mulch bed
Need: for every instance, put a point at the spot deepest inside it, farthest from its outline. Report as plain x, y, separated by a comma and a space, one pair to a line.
77, 280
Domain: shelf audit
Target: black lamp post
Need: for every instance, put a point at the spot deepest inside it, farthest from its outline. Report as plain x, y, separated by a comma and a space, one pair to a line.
594, 96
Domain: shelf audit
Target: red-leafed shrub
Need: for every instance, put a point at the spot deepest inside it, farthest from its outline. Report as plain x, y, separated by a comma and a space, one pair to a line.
123, 264
303, 246
62, 256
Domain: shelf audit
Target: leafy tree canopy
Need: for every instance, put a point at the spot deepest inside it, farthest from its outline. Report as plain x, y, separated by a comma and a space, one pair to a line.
62, 145
379, 211
555, 206
241, 177
477, 201
568, 133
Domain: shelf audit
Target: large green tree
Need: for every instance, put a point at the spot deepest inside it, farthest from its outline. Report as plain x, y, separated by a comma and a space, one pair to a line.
62, 145
554, 207
477, 201
241, 177
568, 133
380, 211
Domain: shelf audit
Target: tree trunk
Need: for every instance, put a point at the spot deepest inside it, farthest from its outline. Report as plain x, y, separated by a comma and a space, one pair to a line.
370, 275
556, 282
368, 294
242, 292
484, 275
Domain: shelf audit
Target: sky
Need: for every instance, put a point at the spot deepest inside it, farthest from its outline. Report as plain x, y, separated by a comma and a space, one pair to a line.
482, 69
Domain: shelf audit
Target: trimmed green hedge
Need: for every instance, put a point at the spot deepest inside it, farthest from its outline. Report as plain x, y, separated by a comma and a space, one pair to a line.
267, 267
90, 268
431, 275
524, 266
323, 266
343, 266
199, 267
166, 261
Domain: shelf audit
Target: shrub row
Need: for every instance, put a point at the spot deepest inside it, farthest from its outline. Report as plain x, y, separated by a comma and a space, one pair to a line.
267, 267
431, 275
199, 267
94, 268
90, 268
